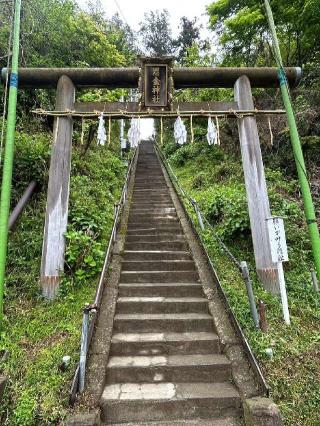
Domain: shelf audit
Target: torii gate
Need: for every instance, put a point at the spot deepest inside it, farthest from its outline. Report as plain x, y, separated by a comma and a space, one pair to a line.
67, 80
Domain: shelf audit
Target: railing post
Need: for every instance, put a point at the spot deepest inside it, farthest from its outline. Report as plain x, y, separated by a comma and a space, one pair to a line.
315, 281
198, 213
253, 307
84, 347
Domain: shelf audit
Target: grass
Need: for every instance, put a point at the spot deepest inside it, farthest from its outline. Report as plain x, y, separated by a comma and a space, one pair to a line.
37, 334
214, 178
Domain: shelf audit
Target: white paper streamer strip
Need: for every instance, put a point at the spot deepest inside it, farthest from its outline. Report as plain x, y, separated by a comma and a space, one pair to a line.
102, 137
212, 135
180, 132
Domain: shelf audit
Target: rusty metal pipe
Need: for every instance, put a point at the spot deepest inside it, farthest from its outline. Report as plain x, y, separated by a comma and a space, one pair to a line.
112, 78
21, 204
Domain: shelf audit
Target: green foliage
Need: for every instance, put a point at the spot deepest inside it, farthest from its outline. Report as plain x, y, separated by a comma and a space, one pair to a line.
87, 234
189, 36
31, 161
227, 208
156, 33
57, 33
37, 334
244, 31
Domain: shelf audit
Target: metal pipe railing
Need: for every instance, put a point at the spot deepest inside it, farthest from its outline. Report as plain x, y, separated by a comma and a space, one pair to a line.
21, 204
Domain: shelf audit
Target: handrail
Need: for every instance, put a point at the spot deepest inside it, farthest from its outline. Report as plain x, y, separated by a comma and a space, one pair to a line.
21, 204
87, 325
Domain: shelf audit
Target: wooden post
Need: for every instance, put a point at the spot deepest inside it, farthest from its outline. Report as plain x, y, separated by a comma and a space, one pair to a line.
52, 263
257, 195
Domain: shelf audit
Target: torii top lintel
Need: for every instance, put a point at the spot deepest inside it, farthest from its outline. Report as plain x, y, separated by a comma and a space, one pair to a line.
111, 78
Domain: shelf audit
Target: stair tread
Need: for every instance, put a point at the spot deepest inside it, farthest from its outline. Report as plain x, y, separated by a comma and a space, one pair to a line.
183, 316
169, 391
174, 261
157, 251
149, 361
140, 272
159, 299
227, 421
163, 337
178, 284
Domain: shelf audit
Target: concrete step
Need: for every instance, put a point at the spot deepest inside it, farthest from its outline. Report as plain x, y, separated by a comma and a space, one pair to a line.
146, 171
145, 204
158, 276
152, 210
151, 192
161, 289
156, 304
148, 193
156, 232
155, 227
160, 265
142, 255
157, 184
147, 217
155, 238
168, 368
145, 177
151, 323
155, 221
142, 238
174, 245
227, 421
164, 343
142, 177
148, 200
141, 402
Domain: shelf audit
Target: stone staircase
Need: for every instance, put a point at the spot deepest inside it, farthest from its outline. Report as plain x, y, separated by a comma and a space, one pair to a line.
165, 365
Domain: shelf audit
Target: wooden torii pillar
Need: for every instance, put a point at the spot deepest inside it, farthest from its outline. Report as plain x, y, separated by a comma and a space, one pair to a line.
52, 263
256, 187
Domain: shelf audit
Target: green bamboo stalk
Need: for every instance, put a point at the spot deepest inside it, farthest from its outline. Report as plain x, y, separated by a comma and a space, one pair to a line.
296, 146
9, 153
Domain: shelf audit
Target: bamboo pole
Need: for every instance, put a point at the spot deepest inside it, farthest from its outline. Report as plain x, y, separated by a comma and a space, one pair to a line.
296, 146
9, 154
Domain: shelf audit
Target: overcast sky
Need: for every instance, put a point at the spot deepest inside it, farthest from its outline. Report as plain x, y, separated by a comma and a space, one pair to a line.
132, 11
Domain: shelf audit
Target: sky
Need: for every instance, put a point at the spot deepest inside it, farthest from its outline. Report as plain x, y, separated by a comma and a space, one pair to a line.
132, 12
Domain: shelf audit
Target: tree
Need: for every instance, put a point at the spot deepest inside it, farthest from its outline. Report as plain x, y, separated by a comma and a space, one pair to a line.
189, 34
123, 38
244, 35
57, 33
156, 34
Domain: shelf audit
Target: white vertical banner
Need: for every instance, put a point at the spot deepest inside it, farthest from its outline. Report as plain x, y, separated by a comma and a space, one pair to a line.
279, 254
